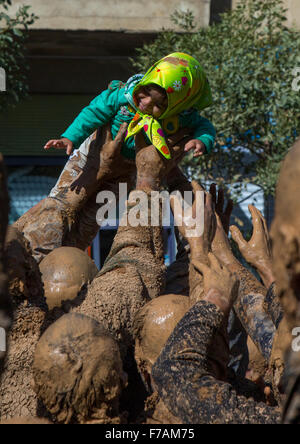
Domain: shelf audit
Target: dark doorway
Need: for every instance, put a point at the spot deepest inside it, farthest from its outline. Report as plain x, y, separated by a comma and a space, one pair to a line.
217, 7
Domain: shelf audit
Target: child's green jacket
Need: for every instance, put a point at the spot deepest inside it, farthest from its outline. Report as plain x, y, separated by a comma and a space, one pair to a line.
115, 106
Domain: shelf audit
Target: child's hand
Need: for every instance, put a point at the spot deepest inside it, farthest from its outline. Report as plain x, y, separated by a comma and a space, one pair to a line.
59, 144
196, 145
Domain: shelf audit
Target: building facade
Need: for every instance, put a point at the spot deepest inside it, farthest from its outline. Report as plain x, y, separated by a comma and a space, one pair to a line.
293, 11
113, 15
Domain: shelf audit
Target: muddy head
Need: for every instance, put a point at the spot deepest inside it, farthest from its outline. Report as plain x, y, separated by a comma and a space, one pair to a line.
78, 371
285, 235
65, 272
153, 325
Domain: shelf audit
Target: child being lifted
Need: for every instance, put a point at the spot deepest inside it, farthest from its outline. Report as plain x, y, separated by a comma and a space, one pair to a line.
167, 98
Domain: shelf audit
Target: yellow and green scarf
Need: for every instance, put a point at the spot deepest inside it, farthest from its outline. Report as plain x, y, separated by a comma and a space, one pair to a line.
186, 85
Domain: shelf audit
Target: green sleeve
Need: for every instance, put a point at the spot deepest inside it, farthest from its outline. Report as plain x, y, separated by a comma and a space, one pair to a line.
98, 113
203, 129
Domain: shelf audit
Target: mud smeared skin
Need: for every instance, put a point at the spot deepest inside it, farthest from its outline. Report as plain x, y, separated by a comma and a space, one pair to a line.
97, 165
133, 274
30, 317
26, 421
177, 277
282, 343
286, 265
65, 271
292, 403
152, 168
250, 304
200, 248
184, 381
250, 310
223, 212
68, 216
44, 226
5, 307
23, 271
152, 327
138, 252
286, 238
257, 251
202, 396
16, 394
78, 371
17, 397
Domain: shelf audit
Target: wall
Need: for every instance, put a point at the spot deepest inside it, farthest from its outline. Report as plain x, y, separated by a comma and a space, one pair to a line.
130, 15
293, 13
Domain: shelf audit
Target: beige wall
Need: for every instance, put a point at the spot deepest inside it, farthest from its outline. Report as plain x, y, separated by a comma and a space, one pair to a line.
131, 15
293, 14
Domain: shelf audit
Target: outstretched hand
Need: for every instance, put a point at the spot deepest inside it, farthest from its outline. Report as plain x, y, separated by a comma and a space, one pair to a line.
220, 285
219, 202
188, 221
258, 250
60, 144
110, 154
152, 167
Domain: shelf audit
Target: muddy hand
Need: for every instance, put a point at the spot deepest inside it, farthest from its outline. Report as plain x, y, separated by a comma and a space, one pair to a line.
152, 167
219, 205
104, 161
220, 285
188, 221
221, 246
258, 250
111, 160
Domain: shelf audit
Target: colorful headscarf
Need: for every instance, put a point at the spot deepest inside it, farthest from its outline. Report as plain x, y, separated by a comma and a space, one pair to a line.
186, 85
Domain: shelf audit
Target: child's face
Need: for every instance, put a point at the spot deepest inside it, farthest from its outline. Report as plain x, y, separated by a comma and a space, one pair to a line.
151, 99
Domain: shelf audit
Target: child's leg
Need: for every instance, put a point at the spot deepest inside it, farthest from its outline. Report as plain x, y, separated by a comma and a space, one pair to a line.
84, 160
68, 216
